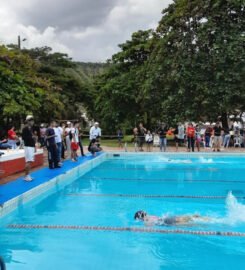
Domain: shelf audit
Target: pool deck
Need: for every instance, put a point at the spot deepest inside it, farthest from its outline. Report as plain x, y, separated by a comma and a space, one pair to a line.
17, 187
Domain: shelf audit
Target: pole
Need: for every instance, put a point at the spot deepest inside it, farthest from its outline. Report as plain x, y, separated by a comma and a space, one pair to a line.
19, 43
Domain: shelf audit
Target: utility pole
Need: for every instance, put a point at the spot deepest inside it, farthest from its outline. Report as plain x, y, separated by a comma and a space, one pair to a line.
19, 43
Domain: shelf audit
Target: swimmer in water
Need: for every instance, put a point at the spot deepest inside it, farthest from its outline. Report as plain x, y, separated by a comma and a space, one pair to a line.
168, 220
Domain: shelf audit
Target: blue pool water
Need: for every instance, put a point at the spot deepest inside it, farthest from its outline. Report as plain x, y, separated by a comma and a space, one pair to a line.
158, 184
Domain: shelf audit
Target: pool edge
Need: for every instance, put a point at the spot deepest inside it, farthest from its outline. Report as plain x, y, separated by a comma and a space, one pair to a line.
61, 180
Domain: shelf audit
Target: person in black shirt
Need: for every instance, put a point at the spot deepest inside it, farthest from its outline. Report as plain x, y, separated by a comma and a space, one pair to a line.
51, 146
162, 131
142, 132
217, 137
29, 146
93, 147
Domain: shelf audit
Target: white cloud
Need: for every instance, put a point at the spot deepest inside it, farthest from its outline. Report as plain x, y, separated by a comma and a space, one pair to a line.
85, 42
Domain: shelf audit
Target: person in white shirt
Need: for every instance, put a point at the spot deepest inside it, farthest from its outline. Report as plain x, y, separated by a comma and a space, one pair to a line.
149, 141
95, 132
68, 139
181, 133
58, 139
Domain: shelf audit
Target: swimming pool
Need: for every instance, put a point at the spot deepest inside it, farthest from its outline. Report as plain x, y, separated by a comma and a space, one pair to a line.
89, 223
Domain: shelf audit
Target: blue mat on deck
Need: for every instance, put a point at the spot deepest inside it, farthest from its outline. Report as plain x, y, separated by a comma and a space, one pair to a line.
19, 186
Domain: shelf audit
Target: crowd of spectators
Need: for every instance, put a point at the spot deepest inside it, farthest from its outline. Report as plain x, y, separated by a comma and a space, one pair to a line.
62, 140
193, 136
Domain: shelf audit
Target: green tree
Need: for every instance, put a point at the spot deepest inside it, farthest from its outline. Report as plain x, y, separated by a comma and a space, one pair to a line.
119, 99
22, 90
74, 86
198, 64
191, 67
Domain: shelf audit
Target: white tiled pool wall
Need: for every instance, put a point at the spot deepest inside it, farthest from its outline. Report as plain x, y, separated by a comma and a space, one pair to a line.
58, 182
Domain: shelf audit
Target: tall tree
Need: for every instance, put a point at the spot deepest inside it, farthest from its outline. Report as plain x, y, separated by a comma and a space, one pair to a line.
119, 100
199, 62
22, 90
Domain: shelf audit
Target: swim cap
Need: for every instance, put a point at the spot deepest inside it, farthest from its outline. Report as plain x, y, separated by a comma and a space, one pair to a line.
139, 215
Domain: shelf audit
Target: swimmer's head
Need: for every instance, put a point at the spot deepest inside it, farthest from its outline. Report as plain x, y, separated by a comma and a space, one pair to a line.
140, 215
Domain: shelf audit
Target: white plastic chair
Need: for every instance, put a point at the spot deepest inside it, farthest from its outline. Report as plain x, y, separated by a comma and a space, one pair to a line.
237, 141
156, 140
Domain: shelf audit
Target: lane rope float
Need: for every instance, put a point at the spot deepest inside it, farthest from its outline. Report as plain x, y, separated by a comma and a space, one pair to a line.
161, 180
150, 196
157, 169
126, 229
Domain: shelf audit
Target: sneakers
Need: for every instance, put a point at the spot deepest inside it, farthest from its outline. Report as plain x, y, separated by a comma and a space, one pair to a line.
28, 178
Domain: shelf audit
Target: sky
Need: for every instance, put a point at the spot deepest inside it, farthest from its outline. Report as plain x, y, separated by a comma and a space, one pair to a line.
87, 30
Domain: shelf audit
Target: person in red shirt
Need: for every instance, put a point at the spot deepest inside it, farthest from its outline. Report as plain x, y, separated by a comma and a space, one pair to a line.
12, 137
190, 134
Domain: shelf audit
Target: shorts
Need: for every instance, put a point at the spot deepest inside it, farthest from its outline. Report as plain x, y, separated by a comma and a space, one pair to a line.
29, 154
198, 139
217, 139
74, 146
181, 141
166, 221
94, 149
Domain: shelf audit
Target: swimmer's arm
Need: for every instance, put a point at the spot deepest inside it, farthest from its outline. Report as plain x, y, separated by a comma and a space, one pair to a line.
204, 218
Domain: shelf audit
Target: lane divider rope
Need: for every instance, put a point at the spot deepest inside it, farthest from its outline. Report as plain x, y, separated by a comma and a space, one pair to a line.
125, 229
150, 196
158, 169
161, 180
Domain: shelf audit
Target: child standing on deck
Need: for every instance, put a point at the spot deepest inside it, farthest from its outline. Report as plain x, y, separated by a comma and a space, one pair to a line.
149, 141
74, 141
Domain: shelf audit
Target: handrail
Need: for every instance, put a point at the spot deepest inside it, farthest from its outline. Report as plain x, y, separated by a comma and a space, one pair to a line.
2, 264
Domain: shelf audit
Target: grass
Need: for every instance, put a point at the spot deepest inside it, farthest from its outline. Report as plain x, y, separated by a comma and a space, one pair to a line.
114, 142
110, 142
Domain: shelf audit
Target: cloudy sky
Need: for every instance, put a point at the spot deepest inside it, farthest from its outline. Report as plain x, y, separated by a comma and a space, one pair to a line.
88, 30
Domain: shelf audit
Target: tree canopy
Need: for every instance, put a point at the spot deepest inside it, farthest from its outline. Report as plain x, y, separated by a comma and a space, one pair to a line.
45, 84
190, 67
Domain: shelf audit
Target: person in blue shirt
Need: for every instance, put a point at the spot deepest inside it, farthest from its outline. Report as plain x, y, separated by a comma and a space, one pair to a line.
5, 145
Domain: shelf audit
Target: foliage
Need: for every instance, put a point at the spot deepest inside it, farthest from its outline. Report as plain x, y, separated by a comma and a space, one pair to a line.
45, 84
191, 67
23, 91
119, 95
